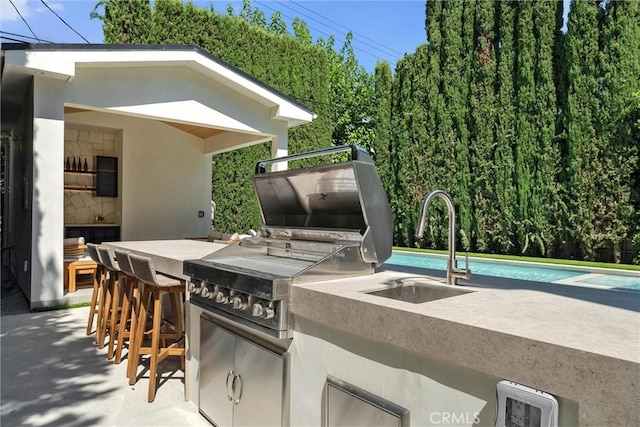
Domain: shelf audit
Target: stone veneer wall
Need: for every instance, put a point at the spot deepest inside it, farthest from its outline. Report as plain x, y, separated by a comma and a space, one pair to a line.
82, 207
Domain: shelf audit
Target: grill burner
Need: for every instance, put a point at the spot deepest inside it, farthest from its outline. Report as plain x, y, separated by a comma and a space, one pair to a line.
320, 223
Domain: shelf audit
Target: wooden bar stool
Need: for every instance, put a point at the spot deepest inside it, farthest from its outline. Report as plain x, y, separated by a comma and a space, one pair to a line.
130, 303
155, 285
98, 279
112, 299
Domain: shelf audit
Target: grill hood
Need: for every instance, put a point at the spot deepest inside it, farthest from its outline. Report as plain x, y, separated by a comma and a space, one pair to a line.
320, 223
337, 202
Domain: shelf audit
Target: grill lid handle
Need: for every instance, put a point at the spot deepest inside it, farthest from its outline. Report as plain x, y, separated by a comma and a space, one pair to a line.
356, 151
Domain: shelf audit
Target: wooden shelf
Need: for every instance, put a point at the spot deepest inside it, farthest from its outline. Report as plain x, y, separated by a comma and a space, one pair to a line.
80, 172
79, 188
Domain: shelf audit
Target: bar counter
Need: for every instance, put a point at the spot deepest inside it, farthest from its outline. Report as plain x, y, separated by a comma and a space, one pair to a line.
168, 255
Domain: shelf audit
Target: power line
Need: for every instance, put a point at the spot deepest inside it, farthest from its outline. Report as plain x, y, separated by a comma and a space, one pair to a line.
320, 31
63, 21
12, 39
23, 36
339, 31
24, 20
377, 45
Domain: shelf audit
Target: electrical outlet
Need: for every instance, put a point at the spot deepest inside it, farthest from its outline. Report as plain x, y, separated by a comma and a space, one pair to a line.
200, 214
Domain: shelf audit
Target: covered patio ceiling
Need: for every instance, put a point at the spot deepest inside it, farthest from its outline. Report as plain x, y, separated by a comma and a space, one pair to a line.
201, 132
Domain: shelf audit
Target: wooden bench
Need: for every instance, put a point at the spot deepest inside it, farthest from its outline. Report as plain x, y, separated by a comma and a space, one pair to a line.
75, 265
79, 267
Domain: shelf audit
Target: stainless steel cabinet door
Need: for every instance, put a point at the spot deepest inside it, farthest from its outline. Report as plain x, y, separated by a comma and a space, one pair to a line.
259, 399
216, 373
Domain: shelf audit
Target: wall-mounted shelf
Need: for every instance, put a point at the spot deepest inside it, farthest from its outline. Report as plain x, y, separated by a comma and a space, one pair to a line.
79, 188
80, 172
104, 178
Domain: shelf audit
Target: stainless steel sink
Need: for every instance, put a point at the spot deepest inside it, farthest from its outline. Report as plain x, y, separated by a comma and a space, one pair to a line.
417, 293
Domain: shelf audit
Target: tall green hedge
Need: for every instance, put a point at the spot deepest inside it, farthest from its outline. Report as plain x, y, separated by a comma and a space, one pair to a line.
296, 69
532, 131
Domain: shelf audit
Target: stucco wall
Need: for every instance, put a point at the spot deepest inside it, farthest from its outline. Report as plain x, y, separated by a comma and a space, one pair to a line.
436, 393
47, 192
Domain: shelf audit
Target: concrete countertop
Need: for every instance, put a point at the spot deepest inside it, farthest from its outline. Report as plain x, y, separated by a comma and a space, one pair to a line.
582, 350
168, 255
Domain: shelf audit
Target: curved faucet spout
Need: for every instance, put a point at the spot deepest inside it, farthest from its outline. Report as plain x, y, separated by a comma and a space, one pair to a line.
452, 271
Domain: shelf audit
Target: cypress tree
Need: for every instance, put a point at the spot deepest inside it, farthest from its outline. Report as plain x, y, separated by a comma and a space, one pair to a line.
547, 208
402, 151
450, 111
621, 87
430, 156
455, 58
482, 124
562, 246
463, 171
585, 150
422, 142
382, 144
506, 198
526, 135
536, 159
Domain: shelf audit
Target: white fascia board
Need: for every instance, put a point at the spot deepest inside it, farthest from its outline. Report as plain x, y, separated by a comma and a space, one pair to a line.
294, 116
34, 62
123, 58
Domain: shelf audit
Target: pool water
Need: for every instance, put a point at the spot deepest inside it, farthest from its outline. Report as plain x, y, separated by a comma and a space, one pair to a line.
516, 270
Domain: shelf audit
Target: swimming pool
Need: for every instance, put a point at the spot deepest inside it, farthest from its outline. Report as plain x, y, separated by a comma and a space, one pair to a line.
548, 273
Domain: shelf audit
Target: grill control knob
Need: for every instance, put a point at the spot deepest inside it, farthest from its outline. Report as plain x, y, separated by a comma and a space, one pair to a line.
220, 297
205, 292
238, 302
257, 310
194, 287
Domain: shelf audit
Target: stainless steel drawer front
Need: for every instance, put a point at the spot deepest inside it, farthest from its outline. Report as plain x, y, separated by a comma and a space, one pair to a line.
347, 405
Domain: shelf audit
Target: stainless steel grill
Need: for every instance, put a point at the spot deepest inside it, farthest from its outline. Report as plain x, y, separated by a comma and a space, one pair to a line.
320, 223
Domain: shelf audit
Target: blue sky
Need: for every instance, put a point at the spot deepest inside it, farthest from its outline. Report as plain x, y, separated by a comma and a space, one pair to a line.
383, 30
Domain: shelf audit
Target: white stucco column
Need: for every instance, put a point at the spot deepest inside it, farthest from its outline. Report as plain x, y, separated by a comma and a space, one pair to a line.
47, 192
280, 148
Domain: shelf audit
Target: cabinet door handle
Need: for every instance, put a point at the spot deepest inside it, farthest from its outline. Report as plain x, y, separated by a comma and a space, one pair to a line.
233, 386
229, 396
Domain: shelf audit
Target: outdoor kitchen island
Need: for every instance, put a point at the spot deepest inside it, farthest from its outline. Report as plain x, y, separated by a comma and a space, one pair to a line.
304, 325
442, 359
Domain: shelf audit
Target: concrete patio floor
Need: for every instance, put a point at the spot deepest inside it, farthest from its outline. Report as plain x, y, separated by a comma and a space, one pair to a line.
52, 374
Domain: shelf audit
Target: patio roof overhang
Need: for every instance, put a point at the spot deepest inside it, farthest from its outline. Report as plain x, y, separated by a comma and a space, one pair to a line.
219, 129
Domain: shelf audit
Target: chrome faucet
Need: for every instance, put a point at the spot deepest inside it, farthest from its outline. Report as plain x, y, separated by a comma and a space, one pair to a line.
453, 273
